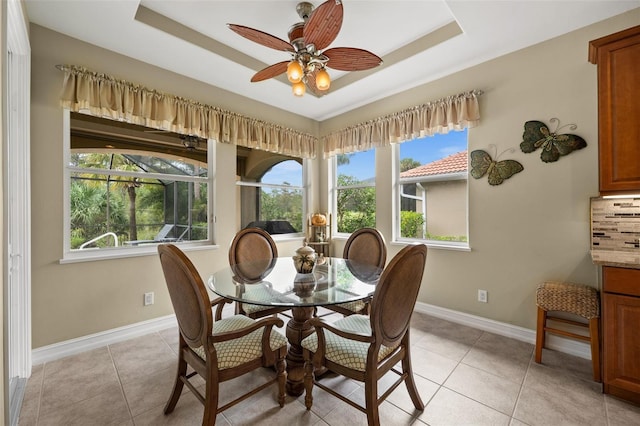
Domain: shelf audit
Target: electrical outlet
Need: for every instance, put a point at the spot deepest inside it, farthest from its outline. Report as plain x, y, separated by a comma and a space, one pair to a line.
148, 299
483, 296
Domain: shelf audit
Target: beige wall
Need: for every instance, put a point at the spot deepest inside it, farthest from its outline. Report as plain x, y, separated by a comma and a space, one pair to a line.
533, 227
4, 389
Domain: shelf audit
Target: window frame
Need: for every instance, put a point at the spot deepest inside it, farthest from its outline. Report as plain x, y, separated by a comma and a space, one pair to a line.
397, 183
71, 256
335, 188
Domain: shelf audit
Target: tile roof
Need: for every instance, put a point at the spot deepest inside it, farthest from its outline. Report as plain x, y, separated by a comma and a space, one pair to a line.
452, 164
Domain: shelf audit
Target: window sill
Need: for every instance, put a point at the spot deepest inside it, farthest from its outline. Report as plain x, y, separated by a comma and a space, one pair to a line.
440, 245
117, 253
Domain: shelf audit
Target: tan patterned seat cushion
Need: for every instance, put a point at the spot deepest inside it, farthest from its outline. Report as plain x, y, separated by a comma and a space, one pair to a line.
349, 353
356, 306
238, 351
260, 293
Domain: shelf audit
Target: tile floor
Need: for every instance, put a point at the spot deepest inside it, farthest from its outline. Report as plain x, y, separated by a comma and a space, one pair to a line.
465, 376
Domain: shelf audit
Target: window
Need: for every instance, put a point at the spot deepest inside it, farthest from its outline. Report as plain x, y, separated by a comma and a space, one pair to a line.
131, 187
355, 192
431, 189
271, 191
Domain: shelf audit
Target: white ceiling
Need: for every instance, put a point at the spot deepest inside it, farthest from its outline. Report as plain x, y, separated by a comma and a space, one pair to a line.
419, 40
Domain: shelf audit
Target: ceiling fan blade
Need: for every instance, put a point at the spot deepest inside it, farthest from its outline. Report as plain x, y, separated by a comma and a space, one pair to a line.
351, 59
262, 38
324, 24
270, 71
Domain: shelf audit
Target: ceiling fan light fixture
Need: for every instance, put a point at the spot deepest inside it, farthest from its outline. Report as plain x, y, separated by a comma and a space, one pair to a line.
323, 80
294, 71
299, 88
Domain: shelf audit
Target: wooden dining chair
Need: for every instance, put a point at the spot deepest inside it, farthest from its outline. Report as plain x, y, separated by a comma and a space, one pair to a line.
365, 348
365, 247
216, 350
252, 255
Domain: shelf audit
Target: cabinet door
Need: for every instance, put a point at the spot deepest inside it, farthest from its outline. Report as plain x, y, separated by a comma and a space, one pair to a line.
618, 59
621, 322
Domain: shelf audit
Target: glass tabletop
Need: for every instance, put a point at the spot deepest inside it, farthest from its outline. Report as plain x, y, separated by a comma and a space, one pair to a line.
277, 283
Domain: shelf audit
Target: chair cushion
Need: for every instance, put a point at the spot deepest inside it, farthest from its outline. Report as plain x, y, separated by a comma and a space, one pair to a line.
238, 351
356, 306
346, 352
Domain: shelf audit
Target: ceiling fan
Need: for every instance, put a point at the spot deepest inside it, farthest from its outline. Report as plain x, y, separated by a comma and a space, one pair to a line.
307, 41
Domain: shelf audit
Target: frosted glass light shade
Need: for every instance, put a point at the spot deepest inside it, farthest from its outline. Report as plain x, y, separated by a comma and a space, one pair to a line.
323, 81
294, 71
298, 88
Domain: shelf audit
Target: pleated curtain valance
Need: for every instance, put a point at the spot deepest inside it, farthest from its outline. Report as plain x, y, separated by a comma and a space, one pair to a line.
104, 96
451, 113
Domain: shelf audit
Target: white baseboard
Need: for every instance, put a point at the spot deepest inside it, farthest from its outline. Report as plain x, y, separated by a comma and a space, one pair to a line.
93, 341
569, 346
97, 340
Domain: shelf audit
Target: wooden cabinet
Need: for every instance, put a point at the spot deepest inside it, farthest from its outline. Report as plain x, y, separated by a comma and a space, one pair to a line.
621, 332
319, 234
618, 59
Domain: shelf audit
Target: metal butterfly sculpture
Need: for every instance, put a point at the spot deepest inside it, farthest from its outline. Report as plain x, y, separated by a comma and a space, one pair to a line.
496, 171
537, 135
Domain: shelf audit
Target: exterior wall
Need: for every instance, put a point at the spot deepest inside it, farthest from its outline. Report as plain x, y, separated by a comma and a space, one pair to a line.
533, 227
446, 208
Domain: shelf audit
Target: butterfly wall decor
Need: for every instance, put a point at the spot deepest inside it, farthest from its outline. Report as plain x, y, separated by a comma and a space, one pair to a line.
496, 171
537, 135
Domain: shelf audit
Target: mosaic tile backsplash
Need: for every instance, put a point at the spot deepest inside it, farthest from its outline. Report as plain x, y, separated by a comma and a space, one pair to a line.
615, 231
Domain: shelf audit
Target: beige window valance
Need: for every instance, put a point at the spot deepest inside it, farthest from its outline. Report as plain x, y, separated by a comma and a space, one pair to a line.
451, 113
104, 96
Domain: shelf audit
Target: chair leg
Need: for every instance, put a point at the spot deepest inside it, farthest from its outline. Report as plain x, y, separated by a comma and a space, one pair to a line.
371, 399
210, 401
177, 386
540, 333
594, 334
308, 384
411, 384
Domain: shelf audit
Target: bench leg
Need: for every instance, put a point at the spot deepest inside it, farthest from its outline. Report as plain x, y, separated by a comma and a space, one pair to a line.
540, 333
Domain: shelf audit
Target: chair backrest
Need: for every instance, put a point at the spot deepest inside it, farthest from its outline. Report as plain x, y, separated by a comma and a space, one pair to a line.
366, 246
252, 252
396, 294
188, 294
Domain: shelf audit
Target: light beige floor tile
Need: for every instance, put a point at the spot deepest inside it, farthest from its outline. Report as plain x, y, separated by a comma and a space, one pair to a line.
75, 378
450, 408
537, 408
136, 358
263, 409
568, 363
516, 422
31, 400
431, 365
323, 402
622, 413
151, 391
400, 396
170, 336
496, 392
501, 356
443, 346
107, 408
188, 412
346, 415
554, 382
446, 329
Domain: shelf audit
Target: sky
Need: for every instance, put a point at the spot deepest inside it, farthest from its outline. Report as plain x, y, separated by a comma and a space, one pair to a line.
362, 164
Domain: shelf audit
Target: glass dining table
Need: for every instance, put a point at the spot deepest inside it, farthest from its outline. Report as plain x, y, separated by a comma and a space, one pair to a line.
276, 283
